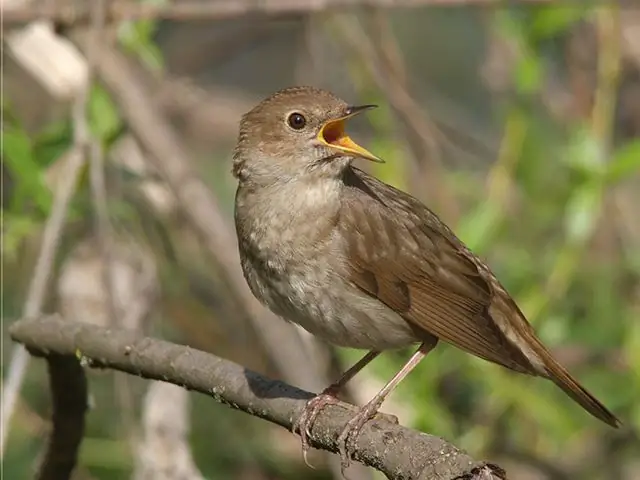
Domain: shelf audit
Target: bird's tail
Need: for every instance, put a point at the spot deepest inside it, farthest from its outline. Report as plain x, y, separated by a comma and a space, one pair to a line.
561, 377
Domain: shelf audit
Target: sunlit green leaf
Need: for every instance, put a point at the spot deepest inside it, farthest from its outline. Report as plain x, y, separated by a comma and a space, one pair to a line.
583, 211
585, 153
17, 152
625, 162
52, 142
16, 227
137, 37
529, 73
551, 20
16, 144
104, 119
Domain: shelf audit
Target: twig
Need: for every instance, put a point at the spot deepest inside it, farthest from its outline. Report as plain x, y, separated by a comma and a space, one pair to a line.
36, 295
419, 131
103, 228
201, 208
74, 13
399, 452
609, 70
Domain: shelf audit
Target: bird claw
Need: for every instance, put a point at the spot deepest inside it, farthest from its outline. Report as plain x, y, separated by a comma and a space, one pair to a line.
347, 440
348, 437
308, 416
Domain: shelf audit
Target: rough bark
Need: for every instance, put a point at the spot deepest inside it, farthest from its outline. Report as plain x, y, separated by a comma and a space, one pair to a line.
397, 451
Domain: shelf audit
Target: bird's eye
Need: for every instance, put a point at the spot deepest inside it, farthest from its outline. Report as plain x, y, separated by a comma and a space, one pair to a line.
297, 121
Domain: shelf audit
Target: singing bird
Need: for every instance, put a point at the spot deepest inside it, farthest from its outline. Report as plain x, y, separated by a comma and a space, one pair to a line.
361, 264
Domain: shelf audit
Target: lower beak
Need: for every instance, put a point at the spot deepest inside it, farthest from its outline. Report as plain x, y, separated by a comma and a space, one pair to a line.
333, 135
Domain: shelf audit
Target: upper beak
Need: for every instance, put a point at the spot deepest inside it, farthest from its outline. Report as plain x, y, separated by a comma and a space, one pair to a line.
332, 134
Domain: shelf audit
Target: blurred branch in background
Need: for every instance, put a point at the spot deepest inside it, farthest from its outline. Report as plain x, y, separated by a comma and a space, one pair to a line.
104, 233
299, 365
419, 132
200, 207
72, 163
35, 47
398, 452
72, 12
164, 452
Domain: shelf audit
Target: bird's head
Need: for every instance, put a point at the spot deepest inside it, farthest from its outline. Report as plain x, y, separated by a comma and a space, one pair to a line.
299, 131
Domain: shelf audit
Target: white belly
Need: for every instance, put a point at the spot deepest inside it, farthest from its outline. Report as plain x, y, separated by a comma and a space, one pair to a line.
284, 262
341, 315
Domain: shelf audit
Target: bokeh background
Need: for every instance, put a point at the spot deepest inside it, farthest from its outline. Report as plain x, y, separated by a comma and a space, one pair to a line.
519, 126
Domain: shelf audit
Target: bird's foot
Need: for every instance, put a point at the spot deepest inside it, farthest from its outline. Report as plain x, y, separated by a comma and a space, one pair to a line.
348, 438
311, 411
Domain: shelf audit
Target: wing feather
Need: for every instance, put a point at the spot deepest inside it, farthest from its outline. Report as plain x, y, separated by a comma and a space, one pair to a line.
432, 281
411, 262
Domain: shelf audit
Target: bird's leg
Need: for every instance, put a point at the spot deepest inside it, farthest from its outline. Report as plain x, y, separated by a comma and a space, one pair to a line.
347, 439
328, 396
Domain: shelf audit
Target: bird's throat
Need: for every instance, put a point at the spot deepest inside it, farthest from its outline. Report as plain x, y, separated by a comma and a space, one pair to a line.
295, 213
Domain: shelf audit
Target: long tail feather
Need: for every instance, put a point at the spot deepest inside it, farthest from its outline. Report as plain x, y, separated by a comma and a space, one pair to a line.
559, 375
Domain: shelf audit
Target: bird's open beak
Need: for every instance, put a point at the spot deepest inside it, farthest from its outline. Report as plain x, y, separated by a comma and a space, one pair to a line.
333, 135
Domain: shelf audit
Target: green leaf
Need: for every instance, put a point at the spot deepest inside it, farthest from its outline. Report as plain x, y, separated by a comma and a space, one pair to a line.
104, 119
529, 73
16, 228
586, 154
17, 145
52, 142
138, 39
552, 20
625, 162
583, 211
17, 152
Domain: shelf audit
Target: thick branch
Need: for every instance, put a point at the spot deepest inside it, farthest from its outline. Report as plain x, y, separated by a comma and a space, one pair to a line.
69, 398
399, 452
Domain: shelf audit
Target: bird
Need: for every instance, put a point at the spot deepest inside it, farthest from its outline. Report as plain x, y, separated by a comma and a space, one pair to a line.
361, 264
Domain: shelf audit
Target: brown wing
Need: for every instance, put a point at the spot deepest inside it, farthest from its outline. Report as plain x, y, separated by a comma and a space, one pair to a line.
398, 253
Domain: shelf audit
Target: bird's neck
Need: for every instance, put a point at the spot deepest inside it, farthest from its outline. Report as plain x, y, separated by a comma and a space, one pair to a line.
300, 213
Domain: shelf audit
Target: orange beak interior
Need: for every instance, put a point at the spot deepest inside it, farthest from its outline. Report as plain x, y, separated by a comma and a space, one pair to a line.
333, 135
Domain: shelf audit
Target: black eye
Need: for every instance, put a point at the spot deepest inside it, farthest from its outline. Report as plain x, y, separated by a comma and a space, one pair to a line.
297, 121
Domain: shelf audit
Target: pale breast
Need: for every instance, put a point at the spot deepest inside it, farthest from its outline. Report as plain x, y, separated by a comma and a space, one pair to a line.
292, 263
316, 297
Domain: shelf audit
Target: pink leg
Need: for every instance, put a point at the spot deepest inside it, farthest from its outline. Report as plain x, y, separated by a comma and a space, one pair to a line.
347, 439
326, 397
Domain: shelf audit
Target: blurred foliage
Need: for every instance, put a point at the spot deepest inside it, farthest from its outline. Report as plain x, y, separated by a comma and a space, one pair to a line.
536, 218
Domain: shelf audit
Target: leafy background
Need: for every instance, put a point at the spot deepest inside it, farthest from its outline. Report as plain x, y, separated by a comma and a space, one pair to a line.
549, 199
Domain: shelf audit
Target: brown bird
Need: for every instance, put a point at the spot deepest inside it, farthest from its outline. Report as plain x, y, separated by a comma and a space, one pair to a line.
361, 264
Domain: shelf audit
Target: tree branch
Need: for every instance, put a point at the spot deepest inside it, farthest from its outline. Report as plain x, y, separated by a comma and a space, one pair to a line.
398, 452
75, 13
69, 397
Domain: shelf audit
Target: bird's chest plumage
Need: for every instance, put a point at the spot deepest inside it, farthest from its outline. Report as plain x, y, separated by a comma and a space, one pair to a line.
295, 264
284, 258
